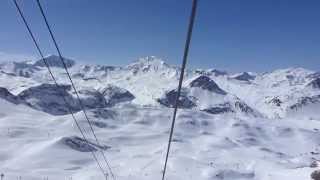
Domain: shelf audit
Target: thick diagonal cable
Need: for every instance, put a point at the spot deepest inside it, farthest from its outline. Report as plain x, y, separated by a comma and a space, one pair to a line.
73, 85
184, 62
59, 88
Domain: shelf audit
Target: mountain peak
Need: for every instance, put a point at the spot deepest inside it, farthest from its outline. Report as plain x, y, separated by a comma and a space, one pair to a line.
315, 83
210, 72
54, 61
147, 64
149, 60
302, 72
207, 83
245, 76
218, 72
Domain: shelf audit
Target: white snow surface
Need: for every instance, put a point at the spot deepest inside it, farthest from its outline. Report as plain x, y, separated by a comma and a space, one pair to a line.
279, 144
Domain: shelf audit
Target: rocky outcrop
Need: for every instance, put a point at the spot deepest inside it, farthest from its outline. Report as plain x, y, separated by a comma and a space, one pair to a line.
55, 61
315, 175
315, 83
23, 69
170, 98
243, 107
303, 101
211, 72
244, 77
204, 82
233, 174
275, 101
79, 144
92, 98
114, 95
48, 98
219, 109
6, 95
229, 107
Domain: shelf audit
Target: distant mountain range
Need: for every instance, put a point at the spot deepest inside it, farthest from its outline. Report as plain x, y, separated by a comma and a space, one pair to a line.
151, 81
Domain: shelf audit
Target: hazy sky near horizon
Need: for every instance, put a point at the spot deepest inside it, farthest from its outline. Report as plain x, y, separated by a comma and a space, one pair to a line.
233, 35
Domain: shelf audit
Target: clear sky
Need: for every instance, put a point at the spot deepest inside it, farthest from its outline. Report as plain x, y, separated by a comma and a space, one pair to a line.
234, 35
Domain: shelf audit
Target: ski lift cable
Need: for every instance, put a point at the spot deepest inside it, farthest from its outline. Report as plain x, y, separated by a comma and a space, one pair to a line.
186, 50
59, 88
184, 62
73, 85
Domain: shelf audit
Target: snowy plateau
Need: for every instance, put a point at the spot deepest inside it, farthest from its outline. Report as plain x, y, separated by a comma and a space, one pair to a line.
244, 126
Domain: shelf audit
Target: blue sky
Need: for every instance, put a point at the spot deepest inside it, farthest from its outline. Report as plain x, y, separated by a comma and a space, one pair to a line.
234, 35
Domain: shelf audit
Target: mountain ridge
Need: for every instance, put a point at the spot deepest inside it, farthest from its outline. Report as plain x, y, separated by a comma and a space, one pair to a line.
147, 79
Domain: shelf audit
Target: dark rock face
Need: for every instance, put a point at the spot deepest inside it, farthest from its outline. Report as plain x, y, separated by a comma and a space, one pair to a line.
97, 68
243, 107
99, 124
305, 101
290, 77
276, 101
9, 74
314, 75
206, 83
22, 69
219, 109
78, 75
202, 72
104, 68
91, 78
232, 174
315, 175
78, 144
218, 72
245, 77
92, 98
315, 83
314, 164
25, 74
5, 94
183, 102
103, 117
210, 72
104, 113
47, 98
81, 145
114, 95
54, 61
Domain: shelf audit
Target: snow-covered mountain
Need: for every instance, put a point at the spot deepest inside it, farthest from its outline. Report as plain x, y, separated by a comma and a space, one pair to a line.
203, 94
148, 79
230, 126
